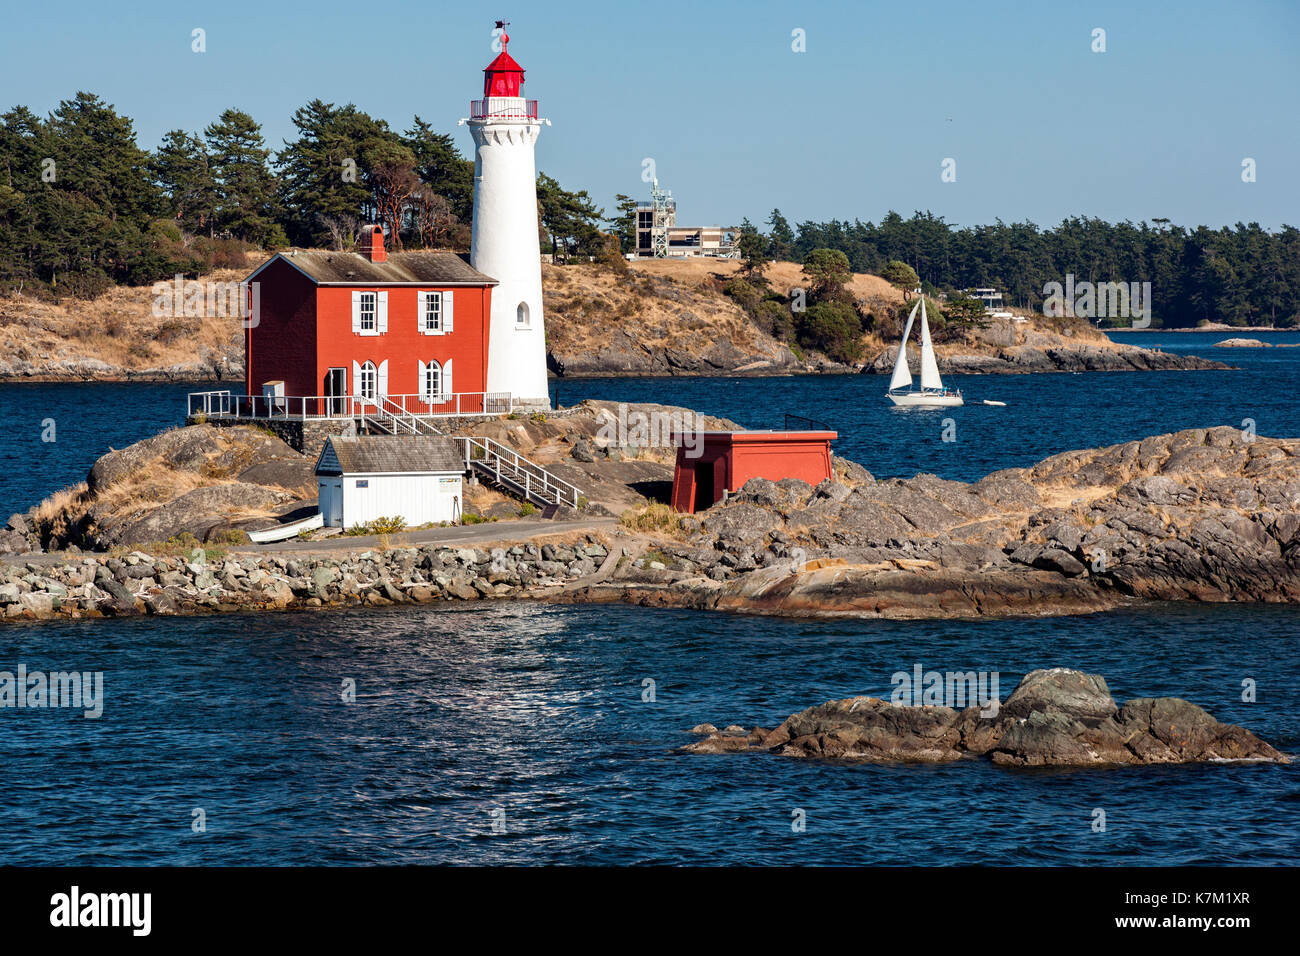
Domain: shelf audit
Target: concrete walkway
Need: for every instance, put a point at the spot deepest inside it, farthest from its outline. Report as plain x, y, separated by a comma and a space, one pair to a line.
462, 535
468, 535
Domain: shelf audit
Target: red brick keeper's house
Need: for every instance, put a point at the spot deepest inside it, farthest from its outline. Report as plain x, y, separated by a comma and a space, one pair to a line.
332, 332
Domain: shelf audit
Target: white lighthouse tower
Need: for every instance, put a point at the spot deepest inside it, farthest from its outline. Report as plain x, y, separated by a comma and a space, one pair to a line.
504, 243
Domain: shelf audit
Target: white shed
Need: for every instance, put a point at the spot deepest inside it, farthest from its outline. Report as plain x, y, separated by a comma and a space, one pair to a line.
416, 477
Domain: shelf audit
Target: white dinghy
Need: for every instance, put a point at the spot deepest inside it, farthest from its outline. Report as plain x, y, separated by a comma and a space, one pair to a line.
283, 532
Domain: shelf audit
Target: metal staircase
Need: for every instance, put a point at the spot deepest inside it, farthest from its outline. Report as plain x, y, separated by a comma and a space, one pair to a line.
388, 417
512, 472
492, 461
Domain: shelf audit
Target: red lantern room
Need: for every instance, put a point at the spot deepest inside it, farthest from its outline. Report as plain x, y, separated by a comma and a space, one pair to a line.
503, 76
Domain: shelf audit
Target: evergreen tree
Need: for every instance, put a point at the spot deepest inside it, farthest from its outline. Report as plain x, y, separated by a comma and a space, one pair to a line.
781, 238
442, 168
324, 193
901, 276
182, 171
96, 155
624, 224
569, 219
245, 188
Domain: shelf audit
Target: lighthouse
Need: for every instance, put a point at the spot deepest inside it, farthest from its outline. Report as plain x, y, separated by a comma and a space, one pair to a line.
504, 242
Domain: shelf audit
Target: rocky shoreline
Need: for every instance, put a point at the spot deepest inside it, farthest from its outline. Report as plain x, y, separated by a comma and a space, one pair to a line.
137, 583
1051, 354
624, 357
1054, 718
1205, 515
204, 371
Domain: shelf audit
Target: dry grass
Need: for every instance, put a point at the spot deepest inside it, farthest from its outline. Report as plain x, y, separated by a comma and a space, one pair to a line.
57, 505
155, 483
653, 518
662, 305
117, 328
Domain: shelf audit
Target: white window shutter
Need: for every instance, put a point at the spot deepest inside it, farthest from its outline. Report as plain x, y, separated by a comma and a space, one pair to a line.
447, 310
446, 378
421, 308
356, 376
424, 376
382, 387
356, 313
381, 321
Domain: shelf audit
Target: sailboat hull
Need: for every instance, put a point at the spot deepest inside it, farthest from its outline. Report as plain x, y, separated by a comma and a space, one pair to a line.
925, 399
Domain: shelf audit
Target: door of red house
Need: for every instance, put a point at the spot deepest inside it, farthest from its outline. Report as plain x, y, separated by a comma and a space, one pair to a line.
703, 485
336, 389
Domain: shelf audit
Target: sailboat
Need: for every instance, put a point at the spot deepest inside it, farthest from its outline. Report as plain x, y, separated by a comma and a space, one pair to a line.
932, 393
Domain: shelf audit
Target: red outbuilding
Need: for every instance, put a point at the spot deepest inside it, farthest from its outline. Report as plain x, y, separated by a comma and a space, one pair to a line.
716, 463
404, 330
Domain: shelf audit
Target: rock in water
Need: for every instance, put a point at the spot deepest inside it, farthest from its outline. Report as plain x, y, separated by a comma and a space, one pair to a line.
1056, 717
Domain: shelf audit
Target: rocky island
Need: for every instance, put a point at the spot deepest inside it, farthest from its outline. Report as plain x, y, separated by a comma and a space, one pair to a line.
1203, 515
1056, 717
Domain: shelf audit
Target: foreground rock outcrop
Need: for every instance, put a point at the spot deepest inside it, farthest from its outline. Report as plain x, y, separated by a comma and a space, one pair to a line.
1204, 514
204, 483
1056, 717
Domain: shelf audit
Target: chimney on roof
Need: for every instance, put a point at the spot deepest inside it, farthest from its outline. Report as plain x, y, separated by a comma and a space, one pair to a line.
372, 243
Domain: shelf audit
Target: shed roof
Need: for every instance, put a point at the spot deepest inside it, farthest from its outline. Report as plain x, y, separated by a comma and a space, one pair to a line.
389, 454
401, 268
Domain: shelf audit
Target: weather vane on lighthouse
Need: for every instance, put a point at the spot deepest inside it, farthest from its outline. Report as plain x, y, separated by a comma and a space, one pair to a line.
505, 37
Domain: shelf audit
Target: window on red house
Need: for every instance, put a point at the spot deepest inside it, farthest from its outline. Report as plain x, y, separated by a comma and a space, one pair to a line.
432, 312
368, 384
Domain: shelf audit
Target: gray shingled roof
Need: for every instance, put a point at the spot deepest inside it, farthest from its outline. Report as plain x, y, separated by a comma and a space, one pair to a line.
414, 268
383, 454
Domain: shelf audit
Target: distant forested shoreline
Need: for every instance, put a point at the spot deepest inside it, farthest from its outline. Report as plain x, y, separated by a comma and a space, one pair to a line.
1242, 276
83, 206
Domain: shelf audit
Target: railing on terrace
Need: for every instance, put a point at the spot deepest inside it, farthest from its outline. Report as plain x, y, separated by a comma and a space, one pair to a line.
224, 404
502, 107
530, 476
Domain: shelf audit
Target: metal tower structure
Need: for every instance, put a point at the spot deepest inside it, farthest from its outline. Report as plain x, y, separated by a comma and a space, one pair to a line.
664, 217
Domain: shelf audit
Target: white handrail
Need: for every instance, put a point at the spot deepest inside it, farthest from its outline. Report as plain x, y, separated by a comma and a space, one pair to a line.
495, 454
224, 404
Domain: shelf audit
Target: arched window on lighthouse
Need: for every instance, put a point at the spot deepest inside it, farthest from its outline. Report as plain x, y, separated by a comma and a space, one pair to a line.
521, 314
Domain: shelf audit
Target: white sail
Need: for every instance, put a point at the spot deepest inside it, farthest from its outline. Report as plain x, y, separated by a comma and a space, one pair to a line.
902, 376
929, 367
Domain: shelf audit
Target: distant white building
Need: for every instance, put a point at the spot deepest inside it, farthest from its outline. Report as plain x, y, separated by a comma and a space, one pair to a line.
659, 237
993, 304
417, 478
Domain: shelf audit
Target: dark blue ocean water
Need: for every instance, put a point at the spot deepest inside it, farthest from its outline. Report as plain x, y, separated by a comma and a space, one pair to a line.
536, 712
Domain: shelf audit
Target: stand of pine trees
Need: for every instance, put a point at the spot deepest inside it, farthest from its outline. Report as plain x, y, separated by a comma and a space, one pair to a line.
83, 206
1240, 276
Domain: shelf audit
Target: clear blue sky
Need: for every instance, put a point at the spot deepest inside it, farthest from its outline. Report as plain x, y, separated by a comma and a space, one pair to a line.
1039, 125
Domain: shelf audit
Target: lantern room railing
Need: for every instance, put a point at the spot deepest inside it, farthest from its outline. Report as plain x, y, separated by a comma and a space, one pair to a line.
503, 107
